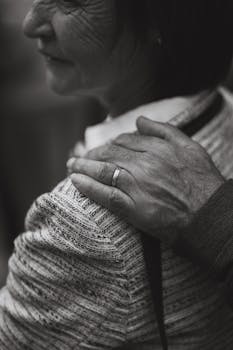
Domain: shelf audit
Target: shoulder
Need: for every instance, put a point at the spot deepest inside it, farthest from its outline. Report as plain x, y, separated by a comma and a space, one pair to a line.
65, 216
67, 261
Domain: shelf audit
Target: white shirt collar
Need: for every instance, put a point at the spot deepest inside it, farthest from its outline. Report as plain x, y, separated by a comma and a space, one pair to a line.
176, 111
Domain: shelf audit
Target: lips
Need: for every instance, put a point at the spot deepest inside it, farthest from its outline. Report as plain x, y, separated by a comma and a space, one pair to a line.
50, 57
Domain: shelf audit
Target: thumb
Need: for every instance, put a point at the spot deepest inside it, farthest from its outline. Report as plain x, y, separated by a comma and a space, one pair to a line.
163, 131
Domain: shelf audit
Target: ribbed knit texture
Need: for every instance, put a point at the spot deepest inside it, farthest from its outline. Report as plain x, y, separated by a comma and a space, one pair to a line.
77, 277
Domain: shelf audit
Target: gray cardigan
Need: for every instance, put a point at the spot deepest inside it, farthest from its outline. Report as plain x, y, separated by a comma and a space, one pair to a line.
77, 277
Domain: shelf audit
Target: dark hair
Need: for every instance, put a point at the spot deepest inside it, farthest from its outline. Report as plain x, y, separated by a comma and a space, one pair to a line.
197, 38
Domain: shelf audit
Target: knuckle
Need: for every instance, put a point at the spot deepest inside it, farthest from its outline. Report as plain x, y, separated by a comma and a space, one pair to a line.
107, 152
104, 154
99, 153
102, 172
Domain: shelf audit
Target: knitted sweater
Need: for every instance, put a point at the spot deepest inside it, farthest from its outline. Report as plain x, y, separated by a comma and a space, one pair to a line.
77, 277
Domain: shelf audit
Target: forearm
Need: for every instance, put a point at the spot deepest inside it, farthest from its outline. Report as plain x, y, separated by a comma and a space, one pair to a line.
208, 241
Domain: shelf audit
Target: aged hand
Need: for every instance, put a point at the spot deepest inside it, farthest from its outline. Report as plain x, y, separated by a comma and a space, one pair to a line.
164, 178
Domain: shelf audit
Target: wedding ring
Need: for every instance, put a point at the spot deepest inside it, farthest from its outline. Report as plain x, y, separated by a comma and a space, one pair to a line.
115, 177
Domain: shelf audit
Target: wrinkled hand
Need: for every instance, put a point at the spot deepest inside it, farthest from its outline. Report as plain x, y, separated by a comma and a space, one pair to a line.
164, 179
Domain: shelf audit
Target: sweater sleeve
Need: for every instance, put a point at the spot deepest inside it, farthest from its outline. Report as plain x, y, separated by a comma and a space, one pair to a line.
66, 284
208, 241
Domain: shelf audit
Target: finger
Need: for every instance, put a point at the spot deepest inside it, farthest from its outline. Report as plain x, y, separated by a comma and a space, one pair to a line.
108, 197
137, 142
108, 152
120, 156
101, 153
102, 172
79, 150
162, 130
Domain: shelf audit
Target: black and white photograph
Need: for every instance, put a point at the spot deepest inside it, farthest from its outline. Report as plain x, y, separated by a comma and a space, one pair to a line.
116, 180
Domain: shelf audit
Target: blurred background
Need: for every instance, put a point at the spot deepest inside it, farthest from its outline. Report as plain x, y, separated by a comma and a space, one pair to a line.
37, 128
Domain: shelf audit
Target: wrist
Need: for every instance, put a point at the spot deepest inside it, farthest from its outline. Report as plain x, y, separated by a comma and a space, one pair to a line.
204, 193
210, 231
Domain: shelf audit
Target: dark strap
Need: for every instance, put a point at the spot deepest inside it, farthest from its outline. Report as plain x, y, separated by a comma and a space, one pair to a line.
152, 246
200, 122
152, 255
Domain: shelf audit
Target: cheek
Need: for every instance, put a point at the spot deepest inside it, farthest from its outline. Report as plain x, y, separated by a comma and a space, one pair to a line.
87, 37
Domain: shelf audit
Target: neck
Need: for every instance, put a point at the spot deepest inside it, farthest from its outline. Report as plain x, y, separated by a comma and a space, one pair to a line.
140, 85
139, 89
132, 97
145, 81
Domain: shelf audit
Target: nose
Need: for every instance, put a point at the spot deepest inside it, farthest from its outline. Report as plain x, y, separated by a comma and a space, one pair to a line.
37, 22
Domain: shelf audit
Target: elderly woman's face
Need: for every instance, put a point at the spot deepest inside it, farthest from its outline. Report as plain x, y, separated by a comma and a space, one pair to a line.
78, 39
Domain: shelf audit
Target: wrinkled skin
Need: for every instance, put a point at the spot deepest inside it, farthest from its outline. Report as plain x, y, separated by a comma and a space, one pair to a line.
101, 54
165, 178
79, 31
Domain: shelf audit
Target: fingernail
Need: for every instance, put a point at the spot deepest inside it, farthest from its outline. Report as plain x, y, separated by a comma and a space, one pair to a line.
143, 117
79, 150
74, 178
70, 162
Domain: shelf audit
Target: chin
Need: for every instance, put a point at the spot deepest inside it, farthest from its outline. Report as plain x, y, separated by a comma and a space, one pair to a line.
59, 85
69, 83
